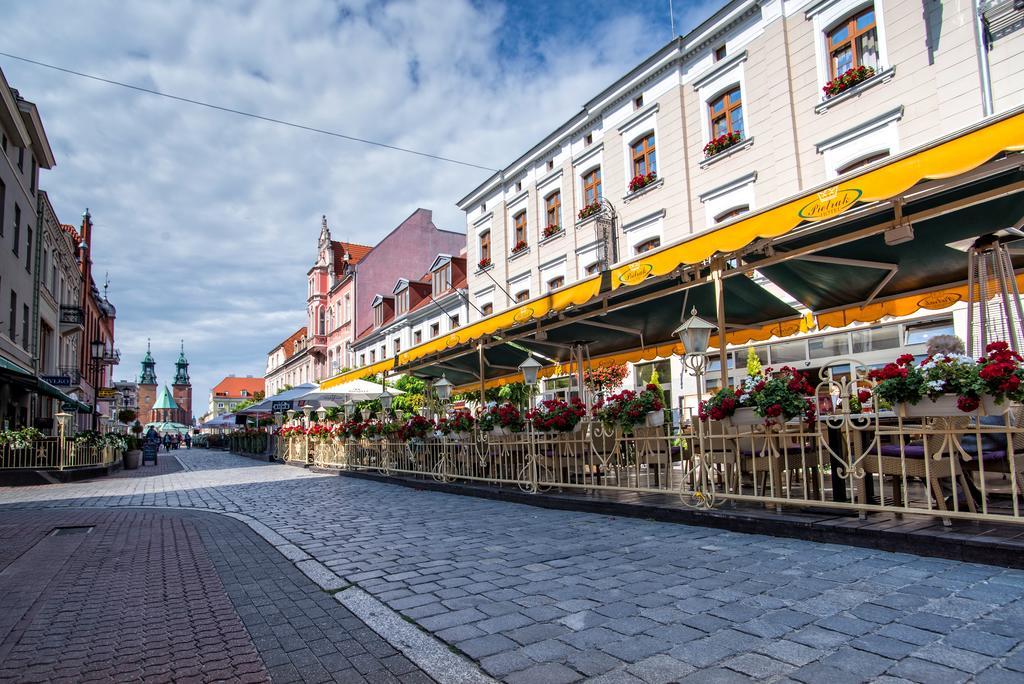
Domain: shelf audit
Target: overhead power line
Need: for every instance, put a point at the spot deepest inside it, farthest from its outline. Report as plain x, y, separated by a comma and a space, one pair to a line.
251, 115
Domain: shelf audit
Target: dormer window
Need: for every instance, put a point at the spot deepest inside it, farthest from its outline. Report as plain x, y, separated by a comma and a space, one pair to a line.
378, 314
441, 280
402, 302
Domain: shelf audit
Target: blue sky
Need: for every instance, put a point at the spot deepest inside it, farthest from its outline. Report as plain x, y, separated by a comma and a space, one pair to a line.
207, 222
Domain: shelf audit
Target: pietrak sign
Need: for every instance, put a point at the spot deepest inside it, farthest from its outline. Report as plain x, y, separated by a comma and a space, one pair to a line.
280, 406
829, 203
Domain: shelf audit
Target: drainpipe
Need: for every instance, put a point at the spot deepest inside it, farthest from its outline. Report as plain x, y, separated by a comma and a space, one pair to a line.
981, 41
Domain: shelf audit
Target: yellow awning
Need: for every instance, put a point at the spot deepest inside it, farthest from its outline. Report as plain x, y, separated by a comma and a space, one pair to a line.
347, 376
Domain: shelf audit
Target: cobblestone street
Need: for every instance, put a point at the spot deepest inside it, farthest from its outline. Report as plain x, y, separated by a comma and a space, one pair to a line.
532, 595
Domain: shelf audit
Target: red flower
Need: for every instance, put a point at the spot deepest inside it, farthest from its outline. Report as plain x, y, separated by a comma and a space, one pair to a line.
967, 404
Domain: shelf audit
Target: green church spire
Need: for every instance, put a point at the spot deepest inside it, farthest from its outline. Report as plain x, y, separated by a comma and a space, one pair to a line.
181, 367
148, 375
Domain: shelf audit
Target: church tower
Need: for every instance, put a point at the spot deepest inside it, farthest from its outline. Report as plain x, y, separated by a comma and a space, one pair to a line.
147, 387
182, 388
165, 410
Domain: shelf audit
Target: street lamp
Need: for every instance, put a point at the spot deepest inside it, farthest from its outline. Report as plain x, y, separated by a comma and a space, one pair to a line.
307, 410
321, 414
385, 399
365, 413
97, 349
530, 367
695, 333
443, 388
291, 415
350, 407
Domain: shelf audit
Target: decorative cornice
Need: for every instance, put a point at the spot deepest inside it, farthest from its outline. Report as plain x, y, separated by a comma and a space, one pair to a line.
637, 116
586, 154
745, 179
871, 124
718, 69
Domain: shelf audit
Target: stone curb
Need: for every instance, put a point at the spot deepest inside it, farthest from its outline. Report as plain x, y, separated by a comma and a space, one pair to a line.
431, 655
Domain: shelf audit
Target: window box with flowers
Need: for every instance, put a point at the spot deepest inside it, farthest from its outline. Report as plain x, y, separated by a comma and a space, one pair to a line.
484, 264
589, 210
551, 231
459, 424
628, 409
640, 182
721, 144
847, 80
771, 398
520, 247
501, 419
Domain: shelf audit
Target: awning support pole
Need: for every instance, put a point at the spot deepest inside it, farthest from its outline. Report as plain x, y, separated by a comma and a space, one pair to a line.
483, 388
716, 277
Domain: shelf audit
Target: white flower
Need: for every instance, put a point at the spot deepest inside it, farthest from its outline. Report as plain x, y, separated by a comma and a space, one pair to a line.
937, 385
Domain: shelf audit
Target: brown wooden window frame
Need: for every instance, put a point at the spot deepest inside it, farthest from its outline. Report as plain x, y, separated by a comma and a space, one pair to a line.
592, 182
523, 296
553, 208
850, 23
861, 162
519, 228
556, 282
485, 245
487, 309
647, 245
732, 213
728, 107
645, 156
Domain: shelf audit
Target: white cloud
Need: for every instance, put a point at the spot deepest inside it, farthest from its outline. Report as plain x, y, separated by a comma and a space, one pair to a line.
206, 221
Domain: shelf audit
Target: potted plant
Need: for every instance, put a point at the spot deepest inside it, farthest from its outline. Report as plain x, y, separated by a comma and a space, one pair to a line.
501, 419
519, 247
552, 230
417, 428
847, 80
483, 263
721, 143
773, 397
460, 424
721, 405
557, 415
589, 210
605, 378
641, 181
133, 453
628, 409
20, 439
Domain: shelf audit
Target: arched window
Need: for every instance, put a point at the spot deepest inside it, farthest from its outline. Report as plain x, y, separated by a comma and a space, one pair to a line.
553, 209
593, 268
556, 283
644, 159
485, 245
727, 113
861, 162
647, 245
522, 295
519, 224
853, 43
732, 213
487, 309
592, 186
320, 321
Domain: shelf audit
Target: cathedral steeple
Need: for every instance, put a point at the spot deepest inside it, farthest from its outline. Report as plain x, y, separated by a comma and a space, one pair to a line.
148, 374
181, 367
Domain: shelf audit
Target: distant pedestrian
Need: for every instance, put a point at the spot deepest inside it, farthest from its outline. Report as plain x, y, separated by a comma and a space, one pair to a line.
167, 442
188, 441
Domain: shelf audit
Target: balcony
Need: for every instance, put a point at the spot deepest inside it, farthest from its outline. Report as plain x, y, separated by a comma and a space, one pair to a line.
111, 357
317, 344
72, 320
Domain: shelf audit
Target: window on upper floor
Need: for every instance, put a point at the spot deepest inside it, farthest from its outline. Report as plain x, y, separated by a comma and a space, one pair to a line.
732, 213
556, 283
853, 42
647, 245
244, 393
726, 112
588, 140
455, 321
720, 53
17, 228
362, 360
553, 209
378, 315
32, 178
522, 295
644, 158
435, 329
21, 158
485, 247
519, 228
320, 322
551, 164
398, 346
28, 250
592, 186
402, 302
487, 309
593, 268
519, 186
862, 162
348, 308
417, 336
638, 102
373, 356
441, 280
383, 352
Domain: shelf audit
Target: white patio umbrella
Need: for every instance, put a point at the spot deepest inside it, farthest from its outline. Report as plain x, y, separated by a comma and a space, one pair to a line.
356, 390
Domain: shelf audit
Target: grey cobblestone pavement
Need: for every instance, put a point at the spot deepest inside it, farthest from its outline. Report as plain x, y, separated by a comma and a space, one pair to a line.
170, 596
537, 595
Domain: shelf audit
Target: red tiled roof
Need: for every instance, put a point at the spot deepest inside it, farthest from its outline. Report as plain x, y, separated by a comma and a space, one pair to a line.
289, 342
355, 253
232, 387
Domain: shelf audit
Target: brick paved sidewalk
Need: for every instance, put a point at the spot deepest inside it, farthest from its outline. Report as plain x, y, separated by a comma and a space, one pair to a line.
161, 596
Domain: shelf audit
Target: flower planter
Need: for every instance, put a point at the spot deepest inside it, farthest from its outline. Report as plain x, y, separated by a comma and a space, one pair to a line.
132, 459
655, 419
497, 431
945, 406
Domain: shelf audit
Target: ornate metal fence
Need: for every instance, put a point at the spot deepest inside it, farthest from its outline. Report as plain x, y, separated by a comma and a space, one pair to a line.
54, 453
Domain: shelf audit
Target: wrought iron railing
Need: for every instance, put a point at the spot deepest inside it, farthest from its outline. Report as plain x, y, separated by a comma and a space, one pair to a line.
72, 315
54, 453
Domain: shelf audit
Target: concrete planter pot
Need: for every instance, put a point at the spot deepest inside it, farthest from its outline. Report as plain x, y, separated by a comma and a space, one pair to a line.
132, 459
